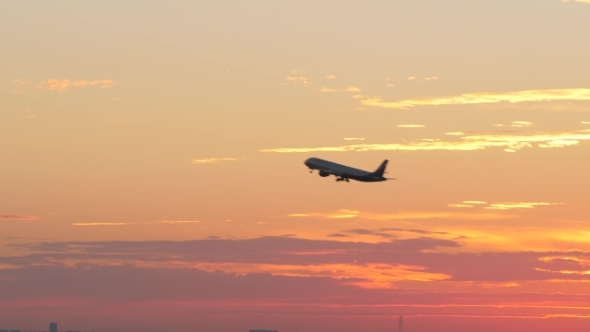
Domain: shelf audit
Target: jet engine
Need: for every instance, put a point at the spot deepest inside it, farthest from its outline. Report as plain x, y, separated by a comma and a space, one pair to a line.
324, 174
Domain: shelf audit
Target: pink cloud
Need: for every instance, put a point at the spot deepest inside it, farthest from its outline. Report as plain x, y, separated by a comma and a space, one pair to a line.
189, 280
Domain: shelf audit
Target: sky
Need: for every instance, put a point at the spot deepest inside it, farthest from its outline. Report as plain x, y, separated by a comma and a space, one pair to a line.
153, 178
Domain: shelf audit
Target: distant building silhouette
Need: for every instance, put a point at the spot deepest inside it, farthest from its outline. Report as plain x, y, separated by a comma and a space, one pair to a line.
53, 327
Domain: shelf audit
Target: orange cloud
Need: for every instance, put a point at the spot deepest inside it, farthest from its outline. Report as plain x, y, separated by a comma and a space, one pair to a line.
485, 97
502, 205
331, 77
64, 84
135, 223
346, 213
101, 223
354, 139
500, 285
433, 78
368, 275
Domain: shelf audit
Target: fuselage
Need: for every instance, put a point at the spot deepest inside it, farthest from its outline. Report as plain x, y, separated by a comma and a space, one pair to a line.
326, 168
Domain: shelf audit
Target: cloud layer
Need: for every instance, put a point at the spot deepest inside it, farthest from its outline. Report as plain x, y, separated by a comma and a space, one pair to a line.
510, 143
484, 98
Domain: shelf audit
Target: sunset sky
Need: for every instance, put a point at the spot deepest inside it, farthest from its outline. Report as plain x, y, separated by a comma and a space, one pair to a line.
152, 176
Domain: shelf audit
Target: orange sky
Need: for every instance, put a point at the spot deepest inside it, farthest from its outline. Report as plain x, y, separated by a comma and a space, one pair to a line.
153, 177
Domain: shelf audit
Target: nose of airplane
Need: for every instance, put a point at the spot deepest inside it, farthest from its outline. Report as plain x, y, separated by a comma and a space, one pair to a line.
306, 162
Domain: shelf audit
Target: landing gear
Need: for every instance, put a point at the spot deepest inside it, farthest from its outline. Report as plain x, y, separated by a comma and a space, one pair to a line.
342, 179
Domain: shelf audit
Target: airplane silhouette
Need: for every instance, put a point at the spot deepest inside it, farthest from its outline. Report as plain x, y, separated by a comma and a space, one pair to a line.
344, 173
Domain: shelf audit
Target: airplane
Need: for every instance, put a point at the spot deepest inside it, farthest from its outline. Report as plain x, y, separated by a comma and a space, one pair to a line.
344, 173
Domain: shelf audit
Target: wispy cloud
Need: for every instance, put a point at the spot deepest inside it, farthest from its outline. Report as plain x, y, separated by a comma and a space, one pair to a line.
460, 205
411, 126
20, 85
296, 77
510, 143
390, 85
347, 214
177, 222
485, 97
349, 89
101, 223
516, 124
17, 217
135, 223
502, 205
518, 205
354, 138
411, 78
330, 77
455, 133
339, 214
212, 160
62, 85
29, 114
433, 78
586, 122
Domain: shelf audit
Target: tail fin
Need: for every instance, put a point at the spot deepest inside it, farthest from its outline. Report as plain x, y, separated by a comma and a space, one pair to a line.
381, 169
